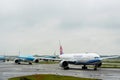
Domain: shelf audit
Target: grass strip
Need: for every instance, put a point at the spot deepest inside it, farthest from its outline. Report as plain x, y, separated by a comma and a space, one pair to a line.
49, 77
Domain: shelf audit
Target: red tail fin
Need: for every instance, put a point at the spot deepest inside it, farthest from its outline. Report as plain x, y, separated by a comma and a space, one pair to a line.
61, 50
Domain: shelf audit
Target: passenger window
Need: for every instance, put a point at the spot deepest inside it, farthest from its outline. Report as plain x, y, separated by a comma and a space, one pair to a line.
96, 57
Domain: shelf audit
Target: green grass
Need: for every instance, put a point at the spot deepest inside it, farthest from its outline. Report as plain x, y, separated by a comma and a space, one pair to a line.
105, 65
112, 61
49, 77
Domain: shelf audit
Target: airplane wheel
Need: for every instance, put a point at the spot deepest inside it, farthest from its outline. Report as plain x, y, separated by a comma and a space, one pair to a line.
19, 63
95, 69
84, 67
30, 63
8, 60
3, 60
66, 68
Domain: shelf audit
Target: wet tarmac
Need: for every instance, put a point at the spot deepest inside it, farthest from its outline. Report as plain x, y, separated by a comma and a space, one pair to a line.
9, 69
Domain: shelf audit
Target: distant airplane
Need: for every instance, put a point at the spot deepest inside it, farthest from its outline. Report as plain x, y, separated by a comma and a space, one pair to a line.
2, 58
53, 57
26, 58
48, 57
81, 59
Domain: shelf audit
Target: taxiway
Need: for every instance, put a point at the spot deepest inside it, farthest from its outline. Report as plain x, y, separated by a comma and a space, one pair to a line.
9, 69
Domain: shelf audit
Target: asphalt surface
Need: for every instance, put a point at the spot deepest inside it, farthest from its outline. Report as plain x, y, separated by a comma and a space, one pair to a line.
9, 69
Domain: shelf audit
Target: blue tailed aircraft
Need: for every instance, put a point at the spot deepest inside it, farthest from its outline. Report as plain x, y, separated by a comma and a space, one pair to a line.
26, 58
2, 58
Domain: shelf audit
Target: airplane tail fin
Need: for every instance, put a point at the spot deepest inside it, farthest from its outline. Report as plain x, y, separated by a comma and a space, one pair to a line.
19, 54
61, 49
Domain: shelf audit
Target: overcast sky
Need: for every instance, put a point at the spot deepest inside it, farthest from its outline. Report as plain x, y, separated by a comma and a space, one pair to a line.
36, 26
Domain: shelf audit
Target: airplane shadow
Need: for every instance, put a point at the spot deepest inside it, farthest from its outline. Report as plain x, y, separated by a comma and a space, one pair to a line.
90, 69
22, 64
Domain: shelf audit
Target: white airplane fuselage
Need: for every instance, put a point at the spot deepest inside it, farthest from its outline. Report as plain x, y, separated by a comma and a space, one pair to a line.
81, 58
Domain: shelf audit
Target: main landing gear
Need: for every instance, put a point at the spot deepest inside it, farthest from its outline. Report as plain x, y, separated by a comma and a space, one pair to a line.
84, 67
30, 63
95, 67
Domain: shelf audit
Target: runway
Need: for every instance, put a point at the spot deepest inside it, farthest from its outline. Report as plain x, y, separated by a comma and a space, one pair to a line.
9, 69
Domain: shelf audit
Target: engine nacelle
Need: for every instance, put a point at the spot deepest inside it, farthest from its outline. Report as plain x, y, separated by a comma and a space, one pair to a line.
36, 60
64, 64
17, 60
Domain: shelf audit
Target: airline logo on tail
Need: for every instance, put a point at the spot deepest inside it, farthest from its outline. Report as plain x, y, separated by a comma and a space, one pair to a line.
61, 50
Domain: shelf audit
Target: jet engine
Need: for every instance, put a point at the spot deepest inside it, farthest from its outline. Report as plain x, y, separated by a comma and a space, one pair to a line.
36, 60
64, 64
17, 61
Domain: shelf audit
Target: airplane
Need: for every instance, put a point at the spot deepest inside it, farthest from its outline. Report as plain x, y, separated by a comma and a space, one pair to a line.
2, 58
26, 58
81, 59
48, 57
53, 57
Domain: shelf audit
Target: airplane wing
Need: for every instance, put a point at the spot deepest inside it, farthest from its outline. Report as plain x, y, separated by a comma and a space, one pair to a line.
109, 57
52, 59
